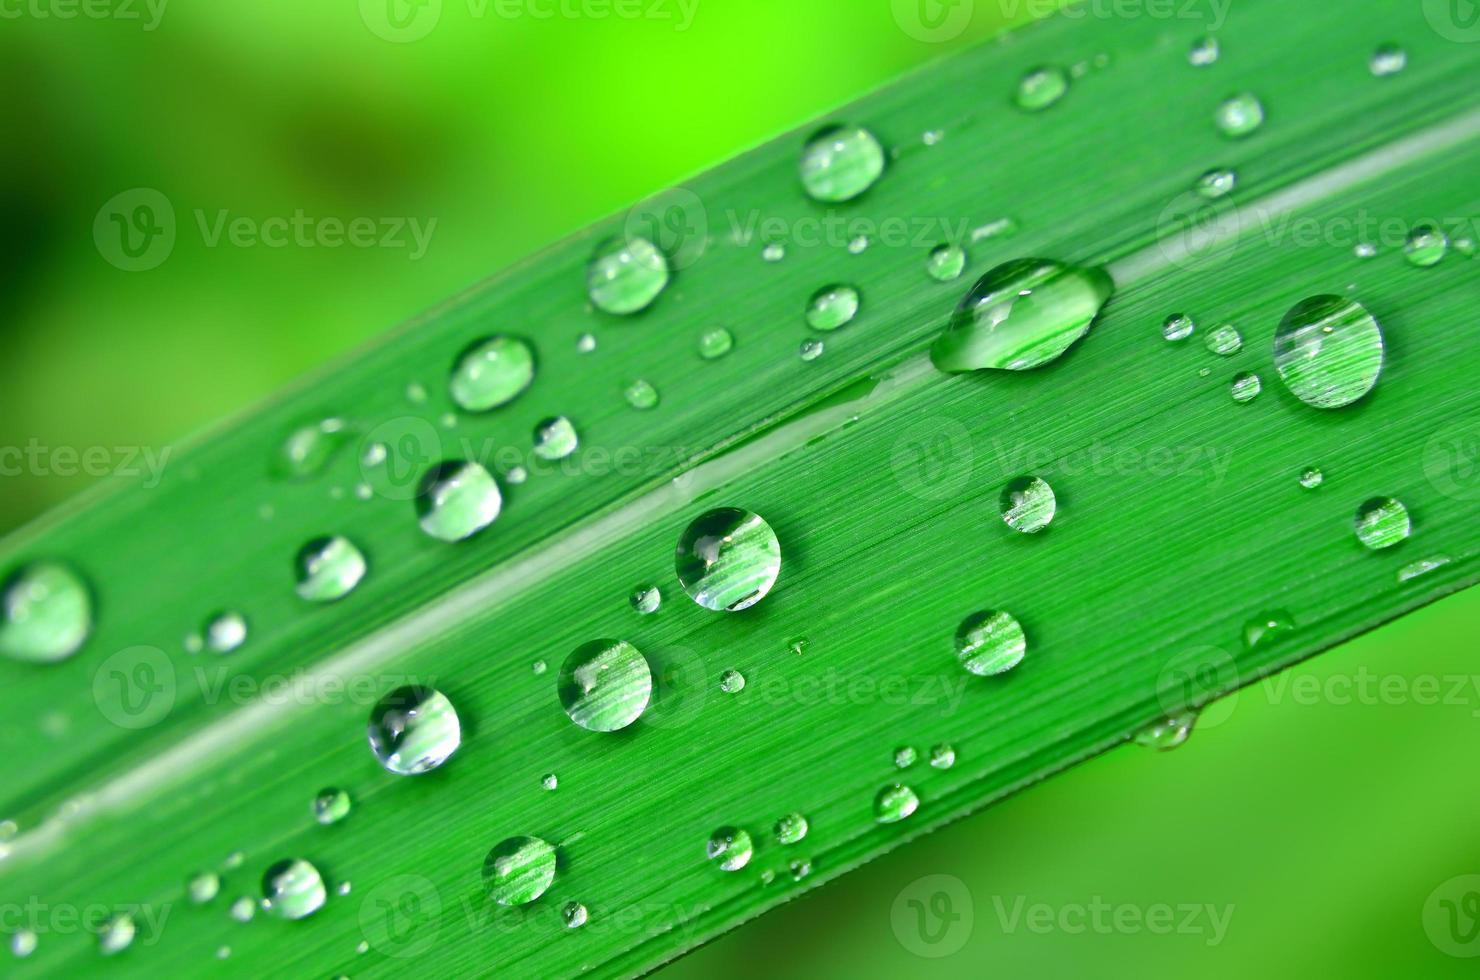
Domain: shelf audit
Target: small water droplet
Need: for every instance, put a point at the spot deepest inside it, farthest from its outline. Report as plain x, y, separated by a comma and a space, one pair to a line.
799, 869
555, 438
858, 244
203, 887
791, 828
1239, 115
226, 632
1423, 566
223, 952
728, 559
116, 935
329, 568
1041, 88
1364, 250
732, 682
832, 307
1426, 246
946, 262
1329, 351
243, 909
1177, 327
293, 889
1225, 340
715, 343
1388, 59
416, 393
990, 643
1267, 627
641, 395
895, 802
647, 599
1204, 52
811, 349
233, 860
605, 685
1246, 387
575, 915
798, 645
774, 252
1028, 504
308, 449
456, 500
1312, 477
942, 756
344, 888
730, 848
1383, 522
839, 163
23, 943
413, 730
519, 870
1169, 732
625, 275
905, 756
550, 782
585, 343
1217, 183
331, 806
491, 373
538, 667
47, 613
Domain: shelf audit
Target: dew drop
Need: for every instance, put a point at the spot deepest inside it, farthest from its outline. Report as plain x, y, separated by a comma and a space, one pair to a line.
491, 373
1246, 387
1312, 477
116, 935
641, 395
226, 632
414, 730
47, 613
732, 682
990, 643
1177, 327
646, 600
605, 685
331, 806
895, 802
519, 870
1364, 250
1239, 115
23, 943
203, 887
1225, 340
1423, 566
1204, 52
811, 349
728, 559
791, 828
538, 667
839, 163
799, 869
1217, 183
729, 847
942, 756
1041, 88
1028, 504
1388, 59
946, 262
715, 343
625, 275
555, 438
457, 500
773, 252
585, 343
1022, 315
1426, 246
1383, 522
550, 782
832, 307
308, 449
575, 915
1267, 627
329, 568
243, 909
858, 244
1329, 351
293, 889
1168, 732
905, 756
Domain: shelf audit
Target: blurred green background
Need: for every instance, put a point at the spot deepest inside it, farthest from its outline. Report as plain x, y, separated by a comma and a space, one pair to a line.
1319, 827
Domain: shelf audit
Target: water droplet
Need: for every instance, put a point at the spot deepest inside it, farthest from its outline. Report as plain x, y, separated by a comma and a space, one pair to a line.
1267, 627
293, 889
309, 448
1041, 88
1239, 115
538, 667
1328, 351
730, 848
895, 802
331, 806
223, 952
791, 828
811, 350
519, 870
1426, 246
457, 500
774, 252
858, 244
585, 343
1178, 326
1388, 59
905, 756
23, 943
575, 915
942, 756
116, 935
626, 275
1204, 52
413, 730
715, 343
1364, 250
491, 373
1383, 522
1217, 183
641, 395
989, 643
243, 909
203, 887
799, 645
1312, 477
226, 632
516, 475
233, 860
550, 782
1246, 387
1225, 340
946, 262
555, 438
1423, 566
932, 137
1022, 315
646, 600
832, 307
728, 559
329, 568
47, 613
1028, 504
732, 682
840, 163
799, 869
1168, 732
605, 685
416, 393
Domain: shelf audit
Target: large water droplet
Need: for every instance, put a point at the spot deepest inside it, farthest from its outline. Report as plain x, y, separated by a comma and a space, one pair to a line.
1028, 504
331, 806
414, 730
329, 568
555, 438
605, 685
47, 613
457, 500
1022, 315
491, 373
1328, 351
840, 163
116, 935
832, 307
895, 802
293, 889
1383, 522
626, 275
990, 643
1041, 88
519, 870
1239, 115
309, 448
730, 848
728, 559
1426, 245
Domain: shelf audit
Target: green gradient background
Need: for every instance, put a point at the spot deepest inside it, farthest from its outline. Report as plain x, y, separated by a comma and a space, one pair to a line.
1325, 825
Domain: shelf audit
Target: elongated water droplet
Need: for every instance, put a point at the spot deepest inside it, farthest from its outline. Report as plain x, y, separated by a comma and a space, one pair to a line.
832, 307
329, 568
226, 632
895, 802
491, 373
1383, 522
293, 889
1217, 183
1022, 315
519, 870
732, 682
1177, 327
309, 448
1312, 477
1028, 504
47, 613
1388, 59
1267, 627
413, 730
456, 500
730, 848
1426, 246
641, 395
811, 349
1225, 340
942, 756
791, 829
117, 934
647, 599
1329, 351
905, 756
1246, 387
1204, 52
330, 806
990, 643
946, 262
575, 915
625, 275
555, 438
1041, 88
605, 685
1169, 732
1239, 115
841, 162
728, 559
715, 343
1423, 566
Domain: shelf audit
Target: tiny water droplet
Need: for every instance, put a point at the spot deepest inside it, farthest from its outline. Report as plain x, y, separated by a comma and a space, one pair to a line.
203, 887
605, 685
1329, 351
715, 343
1028, 504
308, 449
1204, 52
516, 475
585, 343
942, 756
729, 847
858, 244
550, 782
414, 730
234, 860
774, 251
798, 645
625, 275
946, 262
23, 943
1426, 246
791, 828
647, 599
116, 935
1312, 477
226, 632
1217, 183
329, 568
641, 395
555, 438
491, 373
1041, 88
416, 393
456, 500
1177, 327
243, 909
331, 806
1388, 59
839, 163
895, 802
732, 682
811, 349
1169, 732
223, 952
1239, 115
1364, 250
1423, 566
344, 888
990, 643
832, 307
293, 889
575, 915
1267, 627
519, 870
905, 756
538, 667
1383, 522
47, 613
728, 559
1246, 387
799, 869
